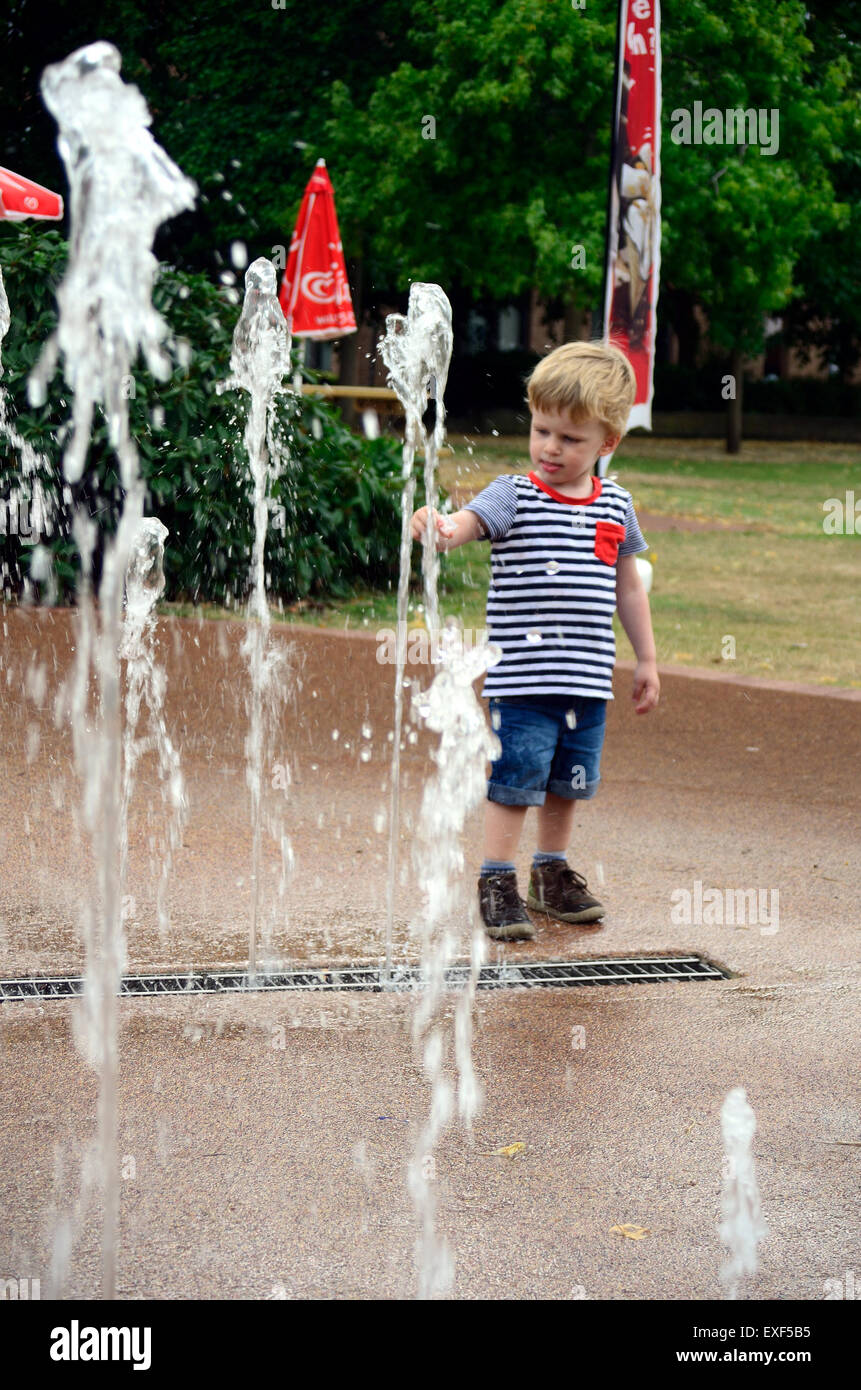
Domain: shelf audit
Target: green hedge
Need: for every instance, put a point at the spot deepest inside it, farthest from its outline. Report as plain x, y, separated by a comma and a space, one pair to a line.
699, 388
341, 492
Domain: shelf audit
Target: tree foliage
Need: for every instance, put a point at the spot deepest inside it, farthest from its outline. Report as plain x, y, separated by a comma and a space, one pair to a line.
519, 91
483, 158
736, 220
826, 314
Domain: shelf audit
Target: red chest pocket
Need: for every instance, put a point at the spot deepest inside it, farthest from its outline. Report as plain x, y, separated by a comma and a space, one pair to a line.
608, 537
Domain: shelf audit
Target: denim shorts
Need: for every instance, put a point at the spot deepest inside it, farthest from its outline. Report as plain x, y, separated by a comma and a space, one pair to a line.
541, 752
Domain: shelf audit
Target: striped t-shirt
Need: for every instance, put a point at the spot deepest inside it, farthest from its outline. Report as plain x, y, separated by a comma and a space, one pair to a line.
553, 584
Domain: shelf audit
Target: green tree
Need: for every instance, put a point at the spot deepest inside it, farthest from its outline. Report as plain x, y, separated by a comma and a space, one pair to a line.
511, 172
482, 158
736, 221
238, 95
827, 313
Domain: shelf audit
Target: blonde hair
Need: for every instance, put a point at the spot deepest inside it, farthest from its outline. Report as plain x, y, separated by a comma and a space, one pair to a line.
591, 381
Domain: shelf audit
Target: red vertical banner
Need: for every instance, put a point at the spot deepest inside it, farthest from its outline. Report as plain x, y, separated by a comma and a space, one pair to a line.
634, 221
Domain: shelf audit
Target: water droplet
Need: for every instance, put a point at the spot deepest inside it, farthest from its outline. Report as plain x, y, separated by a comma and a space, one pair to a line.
407, 683
239, 254
553, 567
365, 755
412, 736
380, 822
367, 731
599, 874
371, 424
316, 428
335, 734
424, 709
496, 718
571, 719
533, 636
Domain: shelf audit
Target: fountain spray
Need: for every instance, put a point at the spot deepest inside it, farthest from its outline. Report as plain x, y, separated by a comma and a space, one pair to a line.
34, 467
742, 1227
5, 317
450, 708
145, 684
122, 187
259, 362
417, 352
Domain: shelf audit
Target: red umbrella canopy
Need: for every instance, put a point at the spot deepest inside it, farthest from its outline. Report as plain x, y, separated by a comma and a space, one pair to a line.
315, 295
20, 198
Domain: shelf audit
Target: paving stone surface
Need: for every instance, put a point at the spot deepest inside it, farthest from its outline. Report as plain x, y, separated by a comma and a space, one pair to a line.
265, 1139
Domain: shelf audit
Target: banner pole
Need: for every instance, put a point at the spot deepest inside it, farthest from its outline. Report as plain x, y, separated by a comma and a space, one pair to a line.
602, 464
611, 178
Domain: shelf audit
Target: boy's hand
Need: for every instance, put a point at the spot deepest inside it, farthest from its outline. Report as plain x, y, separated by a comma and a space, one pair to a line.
419, 522
647, 686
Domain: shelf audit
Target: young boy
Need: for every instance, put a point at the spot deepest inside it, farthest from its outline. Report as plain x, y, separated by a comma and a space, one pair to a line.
562, 558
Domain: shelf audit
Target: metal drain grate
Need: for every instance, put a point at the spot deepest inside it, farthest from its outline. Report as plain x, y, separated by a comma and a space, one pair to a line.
559, 974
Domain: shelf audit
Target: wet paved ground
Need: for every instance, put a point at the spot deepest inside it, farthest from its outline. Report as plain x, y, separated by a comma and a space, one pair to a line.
265, 1139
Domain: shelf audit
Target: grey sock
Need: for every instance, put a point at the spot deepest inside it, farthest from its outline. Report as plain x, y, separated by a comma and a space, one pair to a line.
496, 866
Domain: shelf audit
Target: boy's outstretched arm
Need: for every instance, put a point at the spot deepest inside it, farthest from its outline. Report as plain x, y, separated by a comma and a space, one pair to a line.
452, 531
632, 605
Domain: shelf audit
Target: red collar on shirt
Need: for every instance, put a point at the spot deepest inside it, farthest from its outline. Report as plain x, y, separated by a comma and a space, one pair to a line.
571, 501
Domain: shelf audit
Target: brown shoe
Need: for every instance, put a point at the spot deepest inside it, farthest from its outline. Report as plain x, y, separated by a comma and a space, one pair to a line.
562, 893
502, 908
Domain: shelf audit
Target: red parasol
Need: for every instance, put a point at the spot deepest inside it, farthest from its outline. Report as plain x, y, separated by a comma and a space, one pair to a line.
315, 295
20, 198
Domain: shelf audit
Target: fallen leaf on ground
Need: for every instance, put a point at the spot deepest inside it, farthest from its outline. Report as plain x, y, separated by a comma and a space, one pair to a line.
632, 1232
509, 1151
